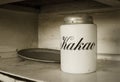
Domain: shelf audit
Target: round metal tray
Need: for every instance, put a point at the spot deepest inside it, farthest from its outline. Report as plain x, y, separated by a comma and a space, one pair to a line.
40, 54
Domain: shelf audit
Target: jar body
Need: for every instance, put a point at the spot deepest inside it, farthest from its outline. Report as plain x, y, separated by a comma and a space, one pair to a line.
78, 48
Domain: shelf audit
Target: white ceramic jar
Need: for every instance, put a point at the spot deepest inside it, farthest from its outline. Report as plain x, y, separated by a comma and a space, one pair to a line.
78, 45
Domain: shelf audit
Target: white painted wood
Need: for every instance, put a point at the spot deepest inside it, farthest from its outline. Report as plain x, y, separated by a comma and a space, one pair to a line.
4, 78
8, 1
112, 57
114, 3
50, 72
108, 30
17, 29
19, 81
72, 6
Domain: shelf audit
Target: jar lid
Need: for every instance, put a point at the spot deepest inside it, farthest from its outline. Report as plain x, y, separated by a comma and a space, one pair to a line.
79, 20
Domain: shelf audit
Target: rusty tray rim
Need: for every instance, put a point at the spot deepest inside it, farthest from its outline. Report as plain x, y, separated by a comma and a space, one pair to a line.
39, 60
